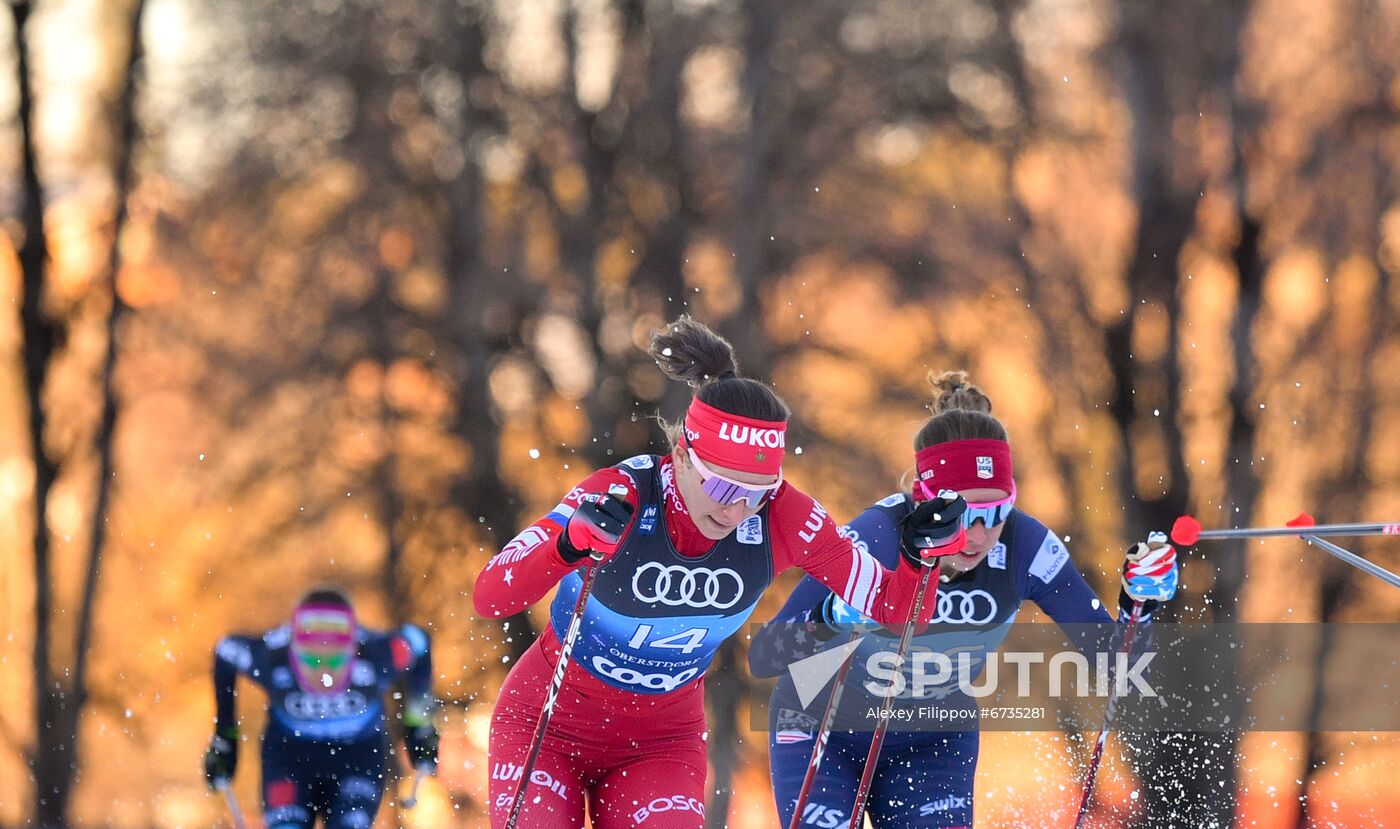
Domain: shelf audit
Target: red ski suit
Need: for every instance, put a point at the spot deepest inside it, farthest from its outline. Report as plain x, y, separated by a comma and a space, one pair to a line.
638, 758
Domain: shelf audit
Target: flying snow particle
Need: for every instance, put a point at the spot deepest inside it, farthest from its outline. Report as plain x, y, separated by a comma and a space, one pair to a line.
534, 454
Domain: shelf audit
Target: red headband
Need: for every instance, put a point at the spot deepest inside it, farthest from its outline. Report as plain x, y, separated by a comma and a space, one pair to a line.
966, 464
729, 440
319, 625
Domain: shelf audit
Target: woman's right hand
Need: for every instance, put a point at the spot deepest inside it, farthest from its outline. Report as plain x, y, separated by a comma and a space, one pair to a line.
595, 529
933, 530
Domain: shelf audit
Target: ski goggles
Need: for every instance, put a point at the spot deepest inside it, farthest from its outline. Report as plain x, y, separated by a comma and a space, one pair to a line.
990, 513
329, 661
324, 660
725, 492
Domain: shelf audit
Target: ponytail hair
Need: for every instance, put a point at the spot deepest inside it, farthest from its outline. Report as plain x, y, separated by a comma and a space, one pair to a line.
688, 351
961, 411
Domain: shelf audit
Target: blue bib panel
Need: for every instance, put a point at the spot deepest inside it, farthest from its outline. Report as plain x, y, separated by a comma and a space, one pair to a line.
655, 617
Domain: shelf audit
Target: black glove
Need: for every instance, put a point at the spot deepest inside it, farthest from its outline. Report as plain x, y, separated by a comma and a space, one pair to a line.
596, 525
422, 742
221, 757
933, 529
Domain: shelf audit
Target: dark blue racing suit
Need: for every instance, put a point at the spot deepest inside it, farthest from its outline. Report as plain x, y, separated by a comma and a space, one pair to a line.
324, 754
924, 778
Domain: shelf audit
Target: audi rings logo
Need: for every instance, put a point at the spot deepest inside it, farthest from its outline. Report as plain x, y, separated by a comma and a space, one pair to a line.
676, 586
971, 607
325, 706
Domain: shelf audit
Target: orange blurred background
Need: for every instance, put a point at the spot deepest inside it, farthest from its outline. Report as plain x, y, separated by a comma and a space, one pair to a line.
369, 285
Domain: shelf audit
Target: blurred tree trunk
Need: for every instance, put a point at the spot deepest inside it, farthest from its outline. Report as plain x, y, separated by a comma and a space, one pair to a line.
1241, 475
667, 156
484, 318
636, 140
123, 174
753, 219
52, 757
61, 695
1158, 48
371, 142
584, 230
383, 479
1147, 387
1057, 363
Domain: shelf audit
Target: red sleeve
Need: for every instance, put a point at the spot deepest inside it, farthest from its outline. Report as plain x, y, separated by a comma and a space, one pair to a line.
805, 536
521, 573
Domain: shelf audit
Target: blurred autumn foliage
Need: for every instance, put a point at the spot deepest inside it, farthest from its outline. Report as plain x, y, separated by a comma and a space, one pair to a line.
348, 290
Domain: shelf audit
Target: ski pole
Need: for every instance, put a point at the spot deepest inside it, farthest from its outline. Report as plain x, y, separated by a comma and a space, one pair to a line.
1092, 774
1305, 520
556, 682
1355, 560
878, 740
412, 799
1187, 529
222, 785
819, 747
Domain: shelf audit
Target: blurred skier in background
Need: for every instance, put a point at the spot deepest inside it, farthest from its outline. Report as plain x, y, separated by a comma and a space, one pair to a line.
326, 747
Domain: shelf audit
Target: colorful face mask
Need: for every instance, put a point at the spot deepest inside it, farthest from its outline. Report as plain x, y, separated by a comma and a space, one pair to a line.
324, 643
